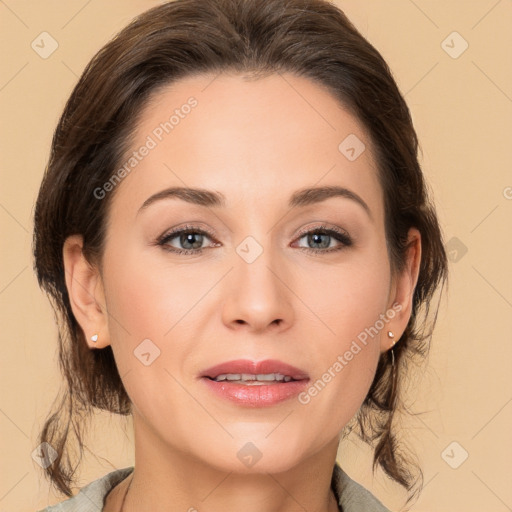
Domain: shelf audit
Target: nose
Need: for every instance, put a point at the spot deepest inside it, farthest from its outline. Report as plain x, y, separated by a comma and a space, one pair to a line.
257, 296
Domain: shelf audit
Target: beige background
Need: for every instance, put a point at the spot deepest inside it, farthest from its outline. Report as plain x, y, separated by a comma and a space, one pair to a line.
462, 109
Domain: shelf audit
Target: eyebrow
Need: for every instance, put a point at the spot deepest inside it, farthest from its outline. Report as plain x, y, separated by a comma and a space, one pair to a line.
213, 199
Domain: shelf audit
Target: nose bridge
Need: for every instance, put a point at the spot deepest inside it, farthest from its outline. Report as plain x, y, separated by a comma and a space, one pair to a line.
257, 295
254, 263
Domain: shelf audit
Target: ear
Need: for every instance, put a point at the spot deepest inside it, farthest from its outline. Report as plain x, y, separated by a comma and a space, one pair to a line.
402, 290
86, 295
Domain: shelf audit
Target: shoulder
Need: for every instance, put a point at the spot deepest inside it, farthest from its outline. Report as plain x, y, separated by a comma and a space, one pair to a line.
353, 497
91, 497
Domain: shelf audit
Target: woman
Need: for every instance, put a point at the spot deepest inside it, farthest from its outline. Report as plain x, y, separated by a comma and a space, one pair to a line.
235, 229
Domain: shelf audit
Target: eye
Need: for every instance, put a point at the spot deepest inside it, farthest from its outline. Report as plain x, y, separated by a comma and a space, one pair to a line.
189, 237
322, 236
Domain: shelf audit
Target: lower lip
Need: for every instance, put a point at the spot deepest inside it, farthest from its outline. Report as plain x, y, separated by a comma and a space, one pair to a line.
256, 395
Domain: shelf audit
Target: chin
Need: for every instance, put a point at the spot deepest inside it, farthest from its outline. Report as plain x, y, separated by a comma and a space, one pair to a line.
257, 455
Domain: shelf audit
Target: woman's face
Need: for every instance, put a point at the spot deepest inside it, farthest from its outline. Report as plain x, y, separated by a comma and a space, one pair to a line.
254, 285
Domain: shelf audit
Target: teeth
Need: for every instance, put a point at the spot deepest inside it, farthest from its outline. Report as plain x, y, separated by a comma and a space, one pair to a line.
248, 377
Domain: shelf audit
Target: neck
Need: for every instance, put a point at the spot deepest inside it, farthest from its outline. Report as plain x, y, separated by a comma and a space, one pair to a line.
162, 482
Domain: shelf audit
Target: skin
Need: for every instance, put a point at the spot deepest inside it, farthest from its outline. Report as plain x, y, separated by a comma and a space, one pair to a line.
256, 142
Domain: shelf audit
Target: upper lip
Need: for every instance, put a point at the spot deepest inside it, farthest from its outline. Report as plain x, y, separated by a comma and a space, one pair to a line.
240, 366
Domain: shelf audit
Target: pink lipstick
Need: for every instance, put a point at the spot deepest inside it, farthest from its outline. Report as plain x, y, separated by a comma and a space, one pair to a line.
255, 384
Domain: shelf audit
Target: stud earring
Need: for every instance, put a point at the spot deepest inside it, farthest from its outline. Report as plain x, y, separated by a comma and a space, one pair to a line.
391, 335
94, 338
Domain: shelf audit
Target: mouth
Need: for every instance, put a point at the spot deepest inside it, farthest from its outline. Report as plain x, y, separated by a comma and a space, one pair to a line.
255, 384
249, 379
254, 372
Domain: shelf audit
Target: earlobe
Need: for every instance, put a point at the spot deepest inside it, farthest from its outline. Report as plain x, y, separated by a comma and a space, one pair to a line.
85, 290
404, 286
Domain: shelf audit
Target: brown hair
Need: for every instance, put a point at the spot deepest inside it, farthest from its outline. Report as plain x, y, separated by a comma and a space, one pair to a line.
310, 38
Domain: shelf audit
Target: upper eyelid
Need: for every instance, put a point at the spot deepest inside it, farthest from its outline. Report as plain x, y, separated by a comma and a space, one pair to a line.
176, 231
323, 227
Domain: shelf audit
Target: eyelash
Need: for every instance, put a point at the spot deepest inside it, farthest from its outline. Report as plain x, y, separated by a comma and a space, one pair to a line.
339, 235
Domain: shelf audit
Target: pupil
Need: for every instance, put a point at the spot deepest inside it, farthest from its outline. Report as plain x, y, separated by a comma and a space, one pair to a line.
189, 237
316, 237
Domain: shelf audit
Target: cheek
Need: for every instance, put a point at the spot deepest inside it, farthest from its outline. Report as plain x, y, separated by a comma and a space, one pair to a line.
351, 304
155, 307
350, 297
360, 298
146, 296
150, 309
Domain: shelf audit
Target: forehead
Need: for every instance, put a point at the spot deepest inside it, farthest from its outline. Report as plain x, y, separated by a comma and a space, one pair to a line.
248, 139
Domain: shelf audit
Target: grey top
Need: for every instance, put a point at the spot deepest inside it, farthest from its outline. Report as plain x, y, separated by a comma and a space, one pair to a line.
353, 496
